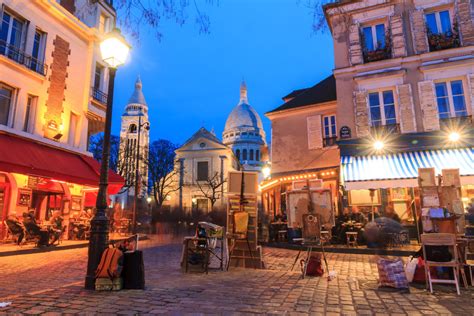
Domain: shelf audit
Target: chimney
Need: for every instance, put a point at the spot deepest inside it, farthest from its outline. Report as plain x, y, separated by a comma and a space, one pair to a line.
69, 5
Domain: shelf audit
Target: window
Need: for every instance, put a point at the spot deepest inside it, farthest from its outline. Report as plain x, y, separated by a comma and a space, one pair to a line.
202, 171
202, 205
382, 108
438, 22
374, 37
450, 99
257, 155
12, 36
6, 102
244, 154
132, 129
103, 24
73, 125
30, 110
39, 45
98, 76
251, 154
237, 153
329, 126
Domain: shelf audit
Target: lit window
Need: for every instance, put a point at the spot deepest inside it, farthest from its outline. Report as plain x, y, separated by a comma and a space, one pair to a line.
382, 108
450, 99
374, 37
6, 103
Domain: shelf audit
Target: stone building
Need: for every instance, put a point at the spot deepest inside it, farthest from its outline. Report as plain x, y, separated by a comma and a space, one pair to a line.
51, 100
404, 75
202, 157
135, 124
245, 135
304, 134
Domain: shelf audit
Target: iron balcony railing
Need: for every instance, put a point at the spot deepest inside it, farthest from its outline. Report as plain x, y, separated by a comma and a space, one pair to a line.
385, 129
19, 56
456, 121
329, 141
99, 96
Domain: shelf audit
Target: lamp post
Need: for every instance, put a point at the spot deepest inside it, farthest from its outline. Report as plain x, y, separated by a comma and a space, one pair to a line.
114, 50
146, 125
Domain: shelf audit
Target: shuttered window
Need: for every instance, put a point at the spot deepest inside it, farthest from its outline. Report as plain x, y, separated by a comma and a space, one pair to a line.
382, 108
450, 99
202, 170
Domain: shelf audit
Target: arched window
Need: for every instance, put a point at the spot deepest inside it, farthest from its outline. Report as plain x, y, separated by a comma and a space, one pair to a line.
132, 129
251, 154
237, 153
244, 154
257, 155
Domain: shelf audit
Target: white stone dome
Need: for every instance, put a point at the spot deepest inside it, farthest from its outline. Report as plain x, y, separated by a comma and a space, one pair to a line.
243, 115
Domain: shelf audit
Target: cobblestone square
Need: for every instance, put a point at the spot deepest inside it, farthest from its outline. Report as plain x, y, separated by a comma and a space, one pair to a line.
52, 283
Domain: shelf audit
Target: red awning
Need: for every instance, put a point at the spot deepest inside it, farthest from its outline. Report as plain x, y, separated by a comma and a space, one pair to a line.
25, 156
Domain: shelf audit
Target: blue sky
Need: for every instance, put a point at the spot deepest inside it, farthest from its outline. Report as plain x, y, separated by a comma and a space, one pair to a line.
192, 80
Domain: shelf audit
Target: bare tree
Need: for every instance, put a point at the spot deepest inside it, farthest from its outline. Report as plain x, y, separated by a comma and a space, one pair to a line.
163, 176
134, 14
211, 188
95, 147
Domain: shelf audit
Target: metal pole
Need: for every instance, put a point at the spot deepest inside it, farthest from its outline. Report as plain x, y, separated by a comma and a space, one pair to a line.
137, 164
99, 234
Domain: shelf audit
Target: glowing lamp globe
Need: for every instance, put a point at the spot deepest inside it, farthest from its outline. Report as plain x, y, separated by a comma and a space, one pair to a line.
266, 171
454, 137
379, 145
148, 199
114, 49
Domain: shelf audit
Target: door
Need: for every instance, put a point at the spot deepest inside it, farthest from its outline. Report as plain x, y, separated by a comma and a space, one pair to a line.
4, 198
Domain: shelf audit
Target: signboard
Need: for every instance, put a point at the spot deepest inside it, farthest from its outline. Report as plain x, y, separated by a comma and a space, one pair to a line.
345, 132
33, 182
24, 197
250, 183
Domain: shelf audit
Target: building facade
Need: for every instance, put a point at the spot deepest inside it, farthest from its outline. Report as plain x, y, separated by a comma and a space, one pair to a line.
244, 134
49, 104
405, 75
135, 125
304, 133
202, 162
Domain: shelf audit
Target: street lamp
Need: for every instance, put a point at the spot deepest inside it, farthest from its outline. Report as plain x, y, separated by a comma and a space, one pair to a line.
266, 171
379, 145
114, 50
145, 125
454, 137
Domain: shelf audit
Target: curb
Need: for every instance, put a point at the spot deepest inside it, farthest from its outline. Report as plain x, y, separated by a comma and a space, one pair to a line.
85, 244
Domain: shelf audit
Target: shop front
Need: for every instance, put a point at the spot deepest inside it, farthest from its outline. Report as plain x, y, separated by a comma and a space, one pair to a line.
283, 196
42, 181
388, 183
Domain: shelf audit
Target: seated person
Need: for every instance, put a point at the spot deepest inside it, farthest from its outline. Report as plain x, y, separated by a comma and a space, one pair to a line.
357, 216
390, 213
16, 228
56, 229
33, 229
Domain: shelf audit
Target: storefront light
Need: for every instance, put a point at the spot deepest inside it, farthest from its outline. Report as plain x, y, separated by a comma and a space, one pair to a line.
378, 145
454, 137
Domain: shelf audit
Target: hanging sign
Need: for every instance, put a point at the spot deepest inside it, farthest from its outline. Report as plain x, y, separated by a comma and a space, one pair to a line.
345, 132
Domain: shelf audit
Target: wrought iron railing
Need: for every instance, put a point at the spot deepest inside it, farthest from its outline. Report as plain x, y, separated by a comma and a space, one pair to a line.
19, 56
385, 129
329, 141
99, 96
456, 122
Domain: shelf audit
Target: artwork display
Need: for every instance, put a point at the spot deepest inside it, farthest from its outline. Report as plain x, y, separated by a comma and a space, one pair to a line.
298, 205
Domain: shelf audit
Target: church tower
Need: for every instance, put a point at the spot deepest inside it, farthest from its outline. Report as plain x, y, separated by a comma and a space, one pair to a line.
134, 130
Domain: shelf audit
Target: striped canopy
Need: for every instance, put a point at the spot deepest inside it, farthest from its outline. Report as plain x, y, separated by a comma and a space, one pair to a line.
405, 165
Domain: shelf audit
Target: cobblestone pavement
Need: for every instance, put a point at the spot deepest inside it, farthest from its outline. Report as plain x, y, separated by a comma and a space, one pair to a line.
51, 283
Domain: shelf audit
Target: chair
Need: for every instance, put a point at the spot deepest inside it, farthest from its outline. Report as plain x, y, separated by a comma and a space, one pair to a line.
196, 251
441, 239
240, 224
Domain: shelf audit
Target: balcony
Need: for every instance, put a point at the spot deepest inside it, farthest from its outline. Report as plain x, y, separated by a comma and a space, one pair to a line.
19, 56
99, 96
329, 141
455, 122
376, 55
380, 130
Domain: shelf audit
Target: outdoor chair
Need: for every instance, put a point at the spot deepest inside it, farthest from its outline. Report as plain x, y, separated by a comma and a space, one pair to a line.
240, 224
15, 231
441, 239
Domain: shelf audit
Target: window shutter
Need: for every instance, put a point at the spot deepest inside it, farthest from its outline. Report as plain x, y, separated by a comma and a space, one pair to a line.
398, 36
355, 48
315, 137
466, 23
406, 110
361, 113
429, 107
470, 79
418, 27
